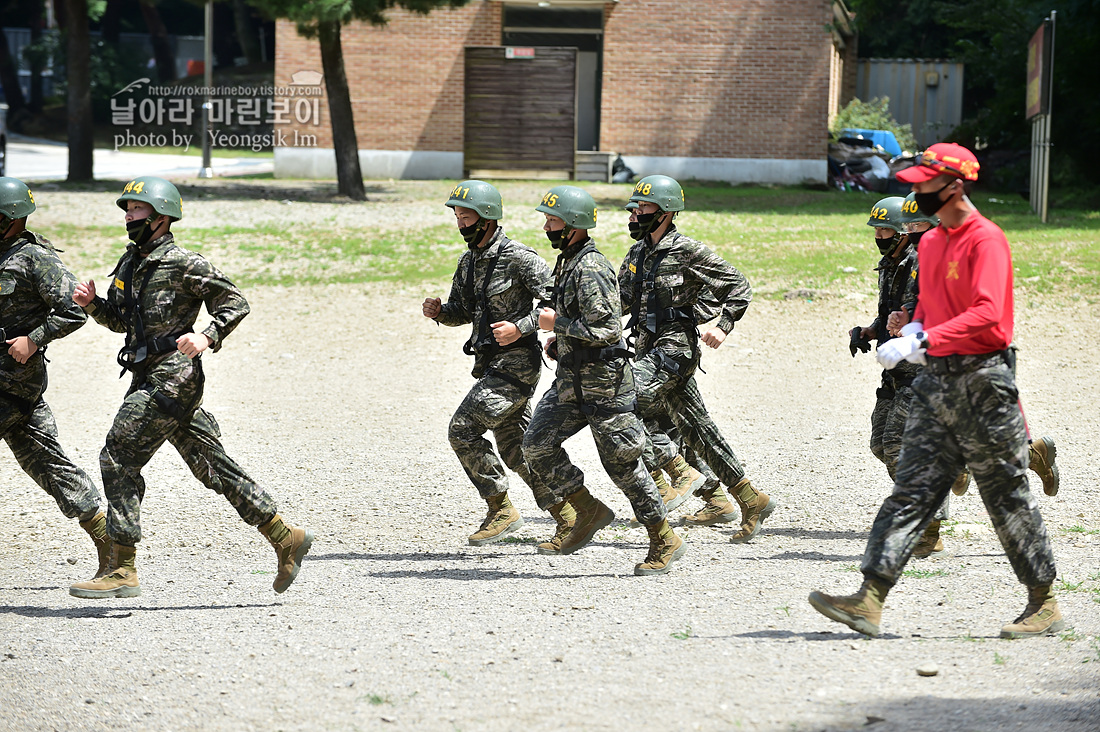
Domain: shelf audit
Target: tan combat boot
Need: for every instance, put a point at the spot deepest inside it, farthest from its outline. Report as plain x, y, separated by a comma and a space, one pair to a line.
930, 543
96, 527
685, 479
665, 547
717, 510
592, 515
755, 507
1040, 617
502, 519
291, 546
120, 580
668, 496
862, 612
962, 482
1042, 454
566, 517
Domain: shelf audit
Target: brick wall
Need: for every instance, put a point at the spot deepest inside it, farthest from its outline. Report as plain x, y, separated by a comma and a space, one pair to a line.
717, 78
406, 78
706, 78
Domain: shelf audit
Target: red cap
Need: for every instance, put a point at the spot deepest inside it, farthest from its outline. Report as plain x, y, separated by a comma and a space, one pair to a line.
943, 157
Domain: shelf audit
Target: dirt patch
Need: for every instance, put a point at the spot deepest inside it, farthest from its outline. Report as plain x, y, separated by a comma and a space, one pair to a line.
338, 397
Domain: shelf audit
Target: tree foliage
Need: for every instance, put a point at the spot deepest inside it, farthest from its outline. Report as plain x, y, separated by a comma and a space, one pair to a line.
323, 19
873, 115
991, 39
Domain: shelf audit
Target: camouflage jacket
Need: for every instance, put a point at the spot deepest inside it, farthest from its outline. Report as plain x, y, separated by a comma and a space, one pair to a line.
36, 300
589, 315
897, 289
689, 276
520, 279
170, 296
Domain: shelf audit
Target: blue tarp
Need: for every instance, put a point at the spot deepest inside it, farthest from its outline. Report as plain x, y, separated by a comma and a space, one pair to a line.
883, 138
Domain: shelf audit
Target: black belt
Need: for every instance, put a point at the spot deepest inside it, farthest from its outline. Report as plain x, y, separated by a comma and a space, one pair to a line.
132, 355
526, 389
7, 334
588, 355
961, 364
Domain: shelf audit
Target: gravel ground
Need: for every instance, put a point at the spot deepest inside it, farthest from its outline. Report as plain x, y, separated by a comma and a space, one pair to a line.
395, 623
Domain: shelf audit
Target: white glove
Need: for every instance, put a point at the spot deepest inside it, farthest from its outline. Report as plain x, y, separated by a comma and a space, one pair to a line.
893, 351
912, 328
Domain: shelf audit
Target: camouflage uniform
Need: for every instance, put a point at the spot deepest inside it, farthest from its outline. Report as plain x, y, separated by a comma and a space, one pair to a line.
168, 287
897, 290
964, 412
506, 376
589, 320
36, 300
667, 348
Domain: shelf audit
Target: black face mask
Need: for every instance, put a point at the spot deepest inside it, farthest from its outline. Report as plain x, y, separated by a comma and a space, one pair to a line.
930, 203
914, 237
474, 233
886, 245
6, 225
557, 238
644, 224
139, 231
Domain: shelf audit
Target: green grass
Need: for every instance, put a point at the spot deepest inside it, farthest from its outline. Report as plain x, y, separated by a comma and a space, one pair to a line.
783, 239
925, 573
518, 540
682, 634
1079, 529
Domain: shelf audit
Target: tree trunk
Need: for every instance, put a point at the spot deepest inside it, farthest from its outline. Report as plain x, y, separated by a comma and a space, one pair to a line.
158, 36
110, 26
349, 177
79, 61
247, 35
36, 60
9, 76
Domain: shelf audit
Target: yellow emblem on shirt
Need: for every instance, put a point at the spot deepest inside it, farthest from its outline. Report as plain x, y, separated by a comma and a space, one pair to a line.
120, 284
632, 268
952, 271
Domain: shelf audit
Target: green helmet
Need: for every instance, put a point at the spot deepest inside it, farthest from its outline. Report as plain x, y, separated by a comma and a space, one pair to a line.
661, 190
887, 214
910, 212
157, 192
16, 200
479, 196
575, 206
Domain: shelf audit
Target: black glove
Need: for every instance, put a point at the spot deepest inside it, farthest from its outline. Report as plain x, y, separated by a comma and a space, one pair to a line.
858, 342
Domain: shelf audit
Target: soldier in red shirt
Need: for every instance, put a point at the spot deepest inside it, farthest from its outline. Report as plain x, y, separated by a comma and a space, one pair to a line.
965, 408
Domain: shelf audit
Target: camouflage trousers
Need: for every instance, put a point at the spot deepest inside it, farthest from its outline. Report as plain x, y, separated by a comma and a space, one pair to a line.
33, 440
663, 392
619, 439
887, 427
963, 418
665, 428
491, 404
139, 430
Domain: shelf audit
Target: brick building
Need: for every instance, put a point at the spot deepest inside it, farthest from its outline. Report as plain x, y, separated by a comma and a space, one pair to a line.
733, 90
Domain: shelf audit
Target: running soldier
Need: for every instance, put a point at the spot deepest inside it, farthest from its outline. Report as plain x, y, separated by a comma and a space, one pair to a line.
897, 291
965, 408
36, 307
154, 298
593, 387
663, 281
496, 287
